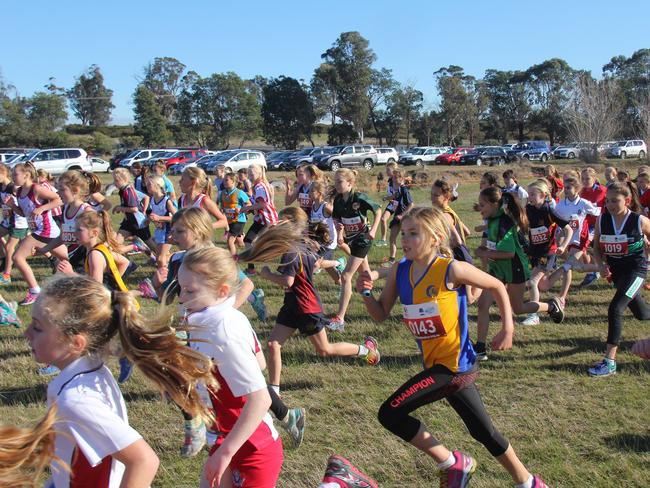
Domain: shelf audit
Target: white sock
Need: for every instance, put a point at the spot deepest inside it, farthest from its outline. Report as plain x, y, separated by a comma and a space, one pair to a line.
443, 466
363, 350
276, 388
329, 485
35, 290
526, 484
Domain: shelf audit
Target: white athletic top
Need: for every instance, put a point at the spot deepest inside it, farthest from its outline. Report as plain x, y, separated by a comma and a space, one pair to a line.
318, 215
69, 227
92, 421
518, 190
575, 212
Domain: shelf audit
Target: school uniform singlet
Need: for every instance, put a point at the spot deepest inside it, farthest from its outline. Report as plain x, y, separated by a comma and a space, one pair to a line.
436, 315
456, 219
112, 277
231, 204
623, 246
317, 215
160, 209
304, 200
69, 230
267, 215
40, 225
198, 201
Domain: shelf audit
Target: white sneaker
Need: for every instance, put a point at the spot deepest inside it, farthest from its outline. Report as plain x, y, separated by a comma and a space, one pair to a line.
531, 319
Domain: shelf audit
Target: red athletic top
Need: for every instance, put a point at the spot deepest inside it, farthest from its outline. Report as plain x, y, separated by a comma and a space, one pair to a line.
595, 195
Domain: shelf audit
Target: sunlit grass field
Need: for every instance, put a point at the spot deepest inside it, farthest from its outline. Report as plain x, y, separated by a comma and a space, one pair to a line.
574, 430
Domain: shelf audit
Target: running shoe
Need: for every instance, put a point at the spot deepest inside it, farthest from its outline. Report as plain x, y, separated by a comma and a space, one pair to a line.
589, 280
140, 246
336, 324
29, 299
341, 266
295, 425
195, 438
538, 482
49, 370
556, 310
606, 367
250, 272
130, 269
211, 437
147, 289
481, 352
373, 356
258, 304
459, 474
5, 279
126, 370
531, 319
8, 314
381, 243
388, 263
341, 472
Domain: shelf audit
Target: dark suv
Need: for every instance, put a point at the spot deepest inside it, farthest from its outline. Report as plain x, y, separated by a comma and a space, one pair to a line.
347, 156
485, 155
305, 156
530, 150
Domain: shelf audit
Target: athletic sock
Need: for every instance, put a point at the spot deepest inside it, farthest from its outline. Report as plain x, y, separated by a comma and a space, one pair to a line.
36, 290
275, 388
363, 351
526, 484
445, 465
330, 485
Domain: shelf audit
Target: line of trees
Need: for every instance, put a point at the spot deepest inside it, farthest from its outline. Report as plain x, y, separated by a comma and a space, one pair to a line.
356, 99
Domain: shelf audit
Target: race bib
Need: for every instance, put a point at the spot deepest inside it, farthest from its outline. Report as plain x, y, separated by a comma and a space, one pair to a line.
491, 245
540, 235
353, 225
423, 320
32, 222
614, 245
304, 200
6, 211
231, 213
574, 222
68, 235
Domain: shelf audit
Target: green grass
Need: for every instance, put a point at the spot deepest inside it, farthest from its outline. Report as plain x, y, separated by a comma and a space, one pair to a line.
572, 429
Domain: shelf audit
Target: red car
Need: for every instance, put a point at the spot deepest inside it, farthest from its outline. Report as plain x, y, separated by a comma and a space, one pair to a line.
182, 156
453, 156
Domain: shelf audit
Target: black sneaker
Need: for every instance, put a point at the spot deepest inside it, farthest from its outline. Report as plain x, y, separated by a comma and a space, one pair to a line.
481, 352
555, 310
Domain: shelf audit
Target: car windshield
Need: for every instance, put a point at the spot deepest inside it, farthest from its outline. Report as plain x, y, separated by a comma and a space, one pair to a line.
15, 158
417, 151
620, 144
132, 154
523, 145
336, 149
304, 152
225, 156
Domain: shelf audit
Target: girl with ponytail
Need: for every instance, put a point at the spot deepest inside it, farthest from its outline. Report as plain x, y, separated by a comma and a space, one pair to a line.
73, 321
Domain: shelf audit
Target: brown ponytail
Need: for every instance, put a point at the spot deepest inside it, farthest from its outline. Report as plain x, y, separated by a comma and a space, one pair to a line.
275, 241
26, 452
509, 204
81, 305
94, 184
102, 221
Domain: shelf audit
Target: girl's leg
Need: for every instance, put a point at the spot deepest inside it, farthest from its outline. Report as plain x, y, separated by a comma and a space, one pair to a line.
163, 253
21, 255
516, 293
483, 320
383, 225
334, 274
325, 348
12, 242
394, 232
278, 337
346, 283
231, 244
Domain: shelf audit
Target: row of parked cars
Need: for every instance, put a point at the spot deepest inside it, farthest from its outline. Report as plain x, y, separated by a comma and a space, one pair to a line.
632, 148
55, 160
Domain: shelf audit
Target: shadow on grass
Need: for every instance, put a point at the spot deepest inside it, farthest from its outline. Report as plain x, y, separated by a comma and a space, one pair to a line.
580, 369
142, 396
24, 395
573, 345
629, 442
13, 354
300, 385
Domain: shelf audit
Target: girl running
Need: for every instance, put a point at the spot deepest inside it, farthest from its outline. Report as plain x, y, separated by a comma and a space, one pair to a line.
234, 203
244, 183
510, 185
431, 287
134, 205
73, 321
47, 180
545, 242
96, 199
197, 192
160, 212
390, 207
35, 203
620, 253
402, 202
594, 192
302, 309
249, 448
263, 208
14, 227
507, 261
306, 175
555, 183
159, 169
350, 211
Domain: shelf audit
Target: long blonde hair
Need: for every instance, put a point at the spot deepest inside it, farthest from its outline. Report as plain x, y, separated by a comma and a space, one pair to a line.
76, 181
215, 265
102, 222
434, 223
198, 176
80, 305
197, 221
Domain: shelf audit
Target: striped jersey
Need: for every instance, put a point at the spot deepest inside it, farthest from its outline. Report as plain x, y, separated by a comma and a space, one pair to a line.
42, 225
436, 315
267, 215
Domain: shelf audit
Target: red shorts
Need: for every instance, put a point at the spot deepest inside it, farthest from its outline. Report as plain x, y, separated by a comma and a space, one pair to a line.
584, 244
256, 468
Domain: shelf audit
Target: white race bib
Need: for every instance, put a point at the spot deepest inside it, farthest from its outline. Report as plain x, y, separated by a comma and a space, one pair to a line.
614, 245
491, 245
423, 320
540, 235
353, 225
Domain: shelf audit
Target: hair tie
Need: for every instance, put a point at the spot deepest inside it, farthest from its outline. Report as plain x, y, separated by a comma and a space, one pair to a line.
236, 257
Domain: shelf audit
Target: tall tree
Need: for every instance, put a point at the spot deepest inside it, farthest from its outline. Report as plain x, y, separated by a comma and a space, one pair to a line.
508, 103
163, 77
550, 84
352, 60
150, 123
380, 91
287, 112
220, 107
45, 114
89, 98
324, 91
407, 102
461, 104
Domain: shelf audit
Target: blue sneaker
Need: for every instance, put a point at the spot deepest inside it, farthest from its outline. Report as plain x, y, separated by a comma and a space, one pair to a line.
606, 367
589, 279
294, 424
258, 304
8, 314
49, 370
126, 370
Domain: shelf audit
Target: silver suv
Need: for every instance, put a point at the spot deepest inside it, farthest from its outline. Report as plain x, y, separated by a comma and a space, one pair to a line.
626, 149
421, 156
347, 156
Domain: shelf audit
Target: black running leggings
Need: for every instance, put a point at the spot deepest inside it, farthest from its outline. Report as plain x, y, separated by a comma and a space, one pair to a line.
627, 284
434, 384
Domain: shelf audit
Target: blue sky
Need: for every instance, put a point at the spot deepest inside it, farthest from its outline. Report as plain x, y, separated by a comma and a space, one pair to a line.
271, 38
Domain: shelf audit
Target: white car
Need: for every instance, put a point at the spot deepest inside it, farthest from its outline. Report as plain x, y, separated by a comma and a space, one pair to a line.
387, 155
142, 155
56, 161
99, 165
235, 160
635, 148
421, 156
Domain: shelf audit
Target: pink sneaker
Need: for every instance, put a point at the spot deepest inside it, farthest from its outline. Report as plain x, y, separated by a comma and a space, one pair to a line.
341, 471
29, 298
147, 289
460, 472
373, 356
539, 482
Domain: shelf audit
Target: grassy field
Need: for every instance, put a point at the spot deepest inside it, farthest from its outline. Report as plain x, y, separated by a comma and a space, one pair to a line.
574, 430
